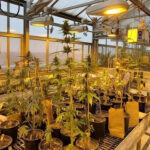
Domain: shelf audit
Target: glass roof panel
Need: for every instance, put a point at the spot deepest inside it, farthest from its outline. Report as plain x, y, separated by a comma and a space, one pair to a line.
68, 3
76, 11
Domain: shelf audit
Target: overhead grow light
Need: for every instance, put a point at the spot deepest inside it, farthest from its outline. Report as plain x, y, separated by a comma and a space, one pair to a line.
110, 7
78, 29
42, 21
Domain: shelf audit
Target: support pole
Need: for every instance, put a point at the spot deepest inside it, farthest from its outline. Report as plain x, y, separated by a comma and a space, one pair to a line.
8, 38
47, 47
26, 34
82, 52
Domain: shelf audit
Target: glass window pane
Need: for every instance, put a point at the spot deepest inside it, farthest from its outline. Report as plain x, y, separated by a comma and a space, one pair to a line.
14, 9
57, 33
4, 6
3, 23
84, 38
78, 53
15, 45
16, 25
38, 31
3, 52
57, 47
38, 49
52, 49
85, 51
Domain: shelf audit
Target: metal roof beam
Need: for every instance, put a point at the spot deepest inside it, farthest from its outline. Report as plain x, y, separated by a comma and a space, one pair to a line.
21, 2
82, 10
141, 6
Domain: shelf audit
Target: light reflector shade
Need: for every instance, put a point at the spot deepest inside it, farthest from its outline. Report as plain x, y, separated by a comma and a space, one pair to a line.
42, 21
110, 7
78, 29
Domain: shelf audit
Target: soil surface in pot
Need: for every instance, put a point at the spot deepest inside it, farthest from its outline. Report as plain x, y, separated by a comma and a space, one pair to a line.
6, 142
72, 148
33, 139
55, 145
9, 124
34, 135
67, 132
90, 144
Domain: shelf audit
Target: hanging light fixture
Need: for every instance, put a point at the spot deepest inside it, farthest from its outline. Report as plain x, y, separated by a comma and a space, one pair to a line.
112, 35
110, 7
78, 29
42, 21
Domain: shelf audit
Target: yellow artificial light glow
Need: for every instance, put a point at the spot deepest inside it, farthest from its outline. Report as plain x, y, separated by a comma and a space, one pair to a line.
74, 32
37, 24
132, 35
111, 35
115, 11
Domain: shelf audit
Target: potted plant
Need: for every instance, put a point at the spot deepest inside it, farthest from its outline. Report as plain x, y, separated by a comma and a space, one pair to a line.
5, 142
86, 142
10, 128
30, 134
50, 143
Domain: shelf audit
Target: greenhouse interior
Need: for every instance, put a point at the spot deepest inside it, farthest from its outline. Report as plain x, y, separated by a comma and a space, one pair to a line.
74, 74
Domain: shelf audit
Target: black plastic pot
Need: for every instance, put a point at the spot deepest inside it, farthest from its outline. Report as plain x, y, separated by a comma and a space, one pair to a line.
56, 144
142, 106
10, 131
106, 107
126, 119
32, 144
8, 142
93, 108
137, 98
116, 104
80, 116
99, 128
56, 130
79, 107
65, 137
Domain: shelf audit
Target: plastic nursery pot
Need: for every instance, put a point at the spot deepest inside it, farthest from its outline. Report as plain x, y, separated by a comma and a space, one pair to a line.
74, 148
126, 120
55, 145
79, 107
33, 139
56, 130
87, 144
81, 116
137, 98
116, 103
142, 106
65, 136
10, 128
93, 108
99, 127
106, 107
5, 143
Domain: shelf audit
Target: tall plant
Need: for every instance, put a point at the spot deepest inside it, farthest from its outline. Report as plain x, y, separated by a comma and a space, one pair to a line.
88, 92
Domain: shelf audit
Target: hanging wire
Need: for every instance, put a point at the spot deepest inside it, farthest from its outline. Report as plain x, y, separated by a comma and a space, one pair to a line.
6, 13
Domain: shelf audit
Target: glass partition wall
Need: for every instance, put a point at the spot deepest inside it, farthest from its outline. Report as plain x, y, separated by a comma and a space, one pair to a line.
13, 32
